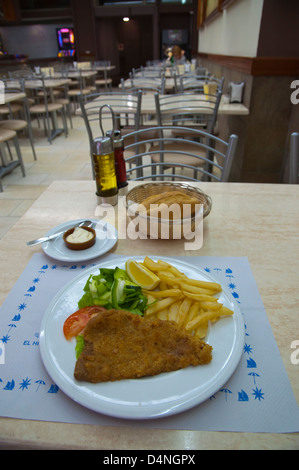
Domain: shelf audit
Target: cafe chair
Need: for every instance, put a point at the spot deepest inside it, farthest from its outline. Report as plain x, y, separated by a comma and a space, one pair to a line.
202, 157
126, 108
63, 70
22, 73
15, 108
146, 84
7, 135
63, 98
18, 125
102, 79
201, 84
10, 109
147, 72
24, 123
48, 110
82, 90
188, 110
294, 158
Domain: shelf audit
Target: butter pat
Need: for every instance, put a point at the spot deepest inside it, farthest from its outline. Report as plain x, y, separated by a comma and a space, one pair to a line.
79, 235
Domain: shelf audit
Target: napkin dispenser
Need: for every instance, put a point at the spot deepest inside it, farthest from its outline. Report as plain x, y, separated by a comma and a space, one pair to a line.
235, 92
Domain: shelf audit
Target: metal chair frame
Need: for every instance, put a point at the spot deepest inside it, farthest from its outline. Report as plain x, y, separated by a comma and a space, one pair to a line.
22, 73
8, 167
187, 109
294, 158
102, 79
204, 142
83, 90
63, 98
48, 110
119, 104
147, 72
15, 85
195, 84
148, 84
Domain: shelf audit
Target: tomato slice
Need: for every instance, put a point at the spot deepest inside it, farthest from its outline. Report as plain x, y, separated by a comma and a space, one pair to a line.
76, 322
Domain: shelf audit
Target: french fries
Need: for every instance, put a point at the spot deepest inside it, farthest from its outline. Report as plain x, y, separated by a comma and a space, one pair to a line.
188, 302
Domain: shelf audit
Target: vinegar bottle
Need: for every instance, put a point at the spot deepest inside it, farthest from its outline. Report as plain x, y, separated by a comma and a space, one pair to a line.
120, 165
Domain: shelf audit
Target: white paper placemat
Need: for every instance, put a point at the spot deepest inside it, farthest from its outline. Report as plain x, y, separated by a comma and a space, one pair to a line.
257, 398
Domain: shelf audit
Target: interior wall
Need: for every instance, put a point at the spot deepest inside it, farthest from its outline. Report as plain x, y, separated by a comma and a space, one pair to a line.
279, 29
107, 45
127, 44
262, 30
36, 41
235, 31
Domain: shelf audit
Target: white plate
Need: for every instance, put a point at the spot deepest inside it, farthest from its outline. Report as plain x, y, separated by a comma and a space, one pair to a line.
150, 397
57, 249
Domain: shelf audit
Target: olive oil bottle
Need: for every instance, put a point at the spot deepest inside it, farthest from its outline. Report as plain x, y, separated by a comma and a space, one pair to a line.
104, 164
104, 169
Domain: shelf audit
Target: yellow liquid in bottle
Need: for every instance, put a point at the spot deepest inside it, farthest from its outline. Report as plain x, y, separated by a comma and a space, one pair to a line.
105, 174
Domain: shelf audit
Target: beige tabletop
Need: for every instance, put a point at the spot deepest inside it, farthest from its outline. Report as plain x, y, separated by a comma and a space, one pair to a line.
148, 106
258, 221
48, 82
10, 97
139, 80
102, 68
81, 72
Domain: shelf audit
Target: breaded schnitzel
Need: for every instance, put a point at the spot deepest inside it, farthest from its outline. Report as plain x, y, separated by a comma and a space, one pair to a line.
121, 345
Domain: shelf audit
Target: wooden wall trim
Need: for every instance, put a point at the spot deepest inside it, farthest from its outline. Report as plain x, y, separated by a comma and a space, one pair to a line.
256, 66
242, 64
279, 66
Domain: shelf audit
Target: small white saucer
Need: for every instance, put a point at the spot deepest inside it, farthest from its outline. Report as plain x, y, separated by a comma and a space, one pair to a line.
106, 239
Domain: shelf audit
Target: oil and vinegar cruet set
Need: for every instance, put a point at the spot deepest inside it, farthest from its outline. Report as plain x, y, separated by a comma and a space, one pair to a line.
109, 163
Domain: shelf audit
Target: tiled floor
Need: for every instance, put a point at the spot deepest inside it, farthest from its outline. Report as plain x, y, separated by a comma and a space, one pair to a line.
66, 158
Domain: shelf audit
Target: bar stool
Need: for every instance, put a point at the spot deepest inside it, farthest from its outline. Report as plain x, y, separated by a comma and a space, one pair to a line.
18, 125
75, 93
103, 80
47, 109
10, 109
66, 102
7, 167
23, 123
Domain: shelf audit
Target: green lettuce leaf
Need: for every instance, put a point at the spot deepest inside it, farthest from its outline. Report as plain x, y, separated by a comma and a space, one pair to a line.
79, 345
112, 288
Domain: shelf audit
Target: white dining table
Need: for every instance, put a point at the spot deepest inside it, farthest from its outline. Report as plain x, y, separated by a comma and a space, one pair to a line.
225, 108
81, 72
148, 106
258, 222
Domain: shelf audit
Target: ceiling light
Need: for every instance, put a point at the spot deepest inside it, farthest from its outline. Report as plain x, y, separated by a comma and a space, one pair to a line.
126, 18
